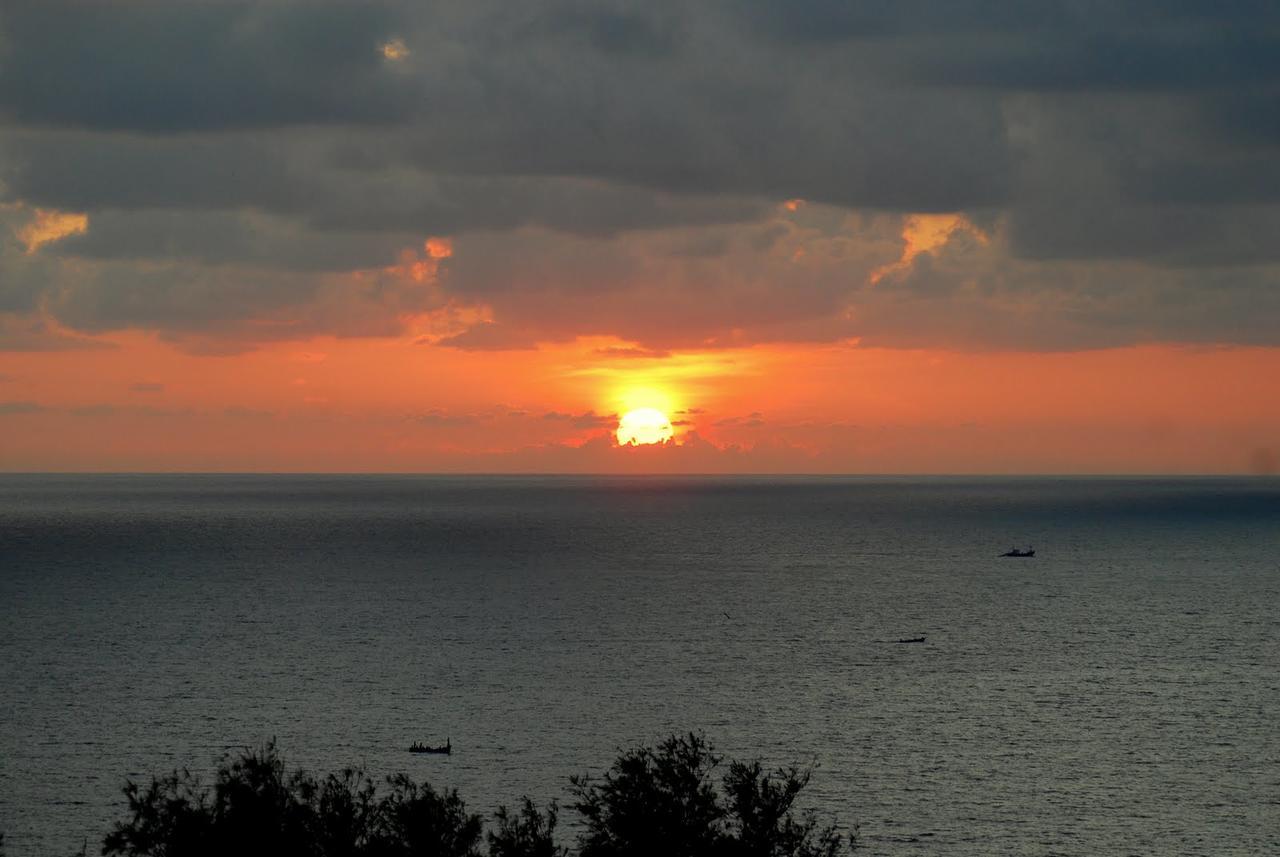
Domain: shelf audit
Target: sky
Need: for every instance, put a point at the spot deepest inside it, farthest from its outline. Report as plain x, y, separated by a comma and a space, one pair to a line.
971, 236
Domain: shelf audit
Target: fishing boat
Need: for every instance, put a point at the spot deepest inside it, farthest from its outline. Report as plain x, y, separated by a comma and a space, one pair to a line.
444, 749
1014, 552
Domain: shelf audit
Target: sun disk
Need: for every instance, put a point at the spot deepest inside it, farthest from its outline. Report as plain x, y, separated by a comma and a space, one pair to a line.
644, 426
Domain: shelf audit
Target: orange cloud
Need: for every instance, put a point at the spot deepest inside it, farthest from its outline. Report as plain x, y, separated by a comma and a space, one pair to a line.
51, 225
423, 269
394, 50
925, 233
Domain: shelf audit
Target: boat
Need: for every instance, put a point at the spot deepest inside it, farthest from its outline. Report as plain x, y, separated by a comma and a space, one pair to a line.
444, 749
912, 640
1029, 552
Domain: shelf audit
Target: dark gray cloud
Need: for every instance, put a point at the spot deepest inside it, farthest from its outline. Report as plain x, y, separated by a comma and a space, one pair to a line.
969, 296
91, 170
204, 187
220, 237
244, 304
177, 65
1160, 45
556, 89
616, 170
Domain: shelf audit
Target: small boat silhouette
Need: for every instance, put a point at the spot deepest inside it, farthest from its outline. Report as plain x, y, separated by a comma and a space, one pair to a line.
444, 749
1029, 552
912, 640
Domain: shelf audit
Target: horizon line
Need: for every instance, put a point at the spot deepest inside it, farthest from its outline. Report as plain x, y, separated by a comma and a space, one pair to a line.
662, 474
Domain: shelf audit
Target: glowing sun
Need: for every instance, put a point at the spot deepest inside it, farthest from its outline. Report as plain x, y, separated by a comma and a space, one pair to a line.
642, 426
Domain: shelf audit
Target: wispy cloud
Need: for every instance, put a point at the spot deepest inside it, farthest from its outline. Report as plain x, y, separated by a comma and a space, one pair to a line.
7, 408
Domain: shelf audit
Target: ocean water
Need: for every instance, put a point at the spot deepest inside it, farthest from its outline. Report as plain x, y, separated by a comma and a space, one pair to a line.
1118, 694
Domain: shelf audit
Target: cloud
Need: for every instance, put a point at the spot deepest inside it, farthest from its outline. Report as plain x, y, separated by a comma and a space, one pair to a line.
214, 238
103, 409
974, 296
163, 67
98, 410
445, 418
926, 233
675, 175
23, 332
394, 50
488, 336
755, 419
224, 305
601, 454
47, 226
586, 420
632, 353
339, 182
857, 280
241, 412
9, 408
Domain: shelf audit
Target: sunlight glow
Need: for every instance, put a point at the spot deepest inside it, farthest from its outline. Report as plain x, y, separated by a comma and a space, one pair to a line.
644, 426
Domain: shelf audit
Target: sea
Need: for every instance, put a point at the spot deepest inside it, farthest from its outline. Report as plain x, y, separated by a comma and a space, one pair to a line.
1119, 693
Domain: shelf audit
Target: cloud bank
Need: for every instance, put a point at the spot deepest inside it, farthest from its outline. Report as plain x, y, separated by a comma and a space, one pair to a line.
228, 173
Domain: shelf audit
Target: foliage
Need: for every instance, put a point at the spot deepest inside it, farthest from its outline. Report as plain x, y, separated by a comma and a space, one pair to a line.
527, 833
416, 819
653, 801
662, 800
762, 821
257, 807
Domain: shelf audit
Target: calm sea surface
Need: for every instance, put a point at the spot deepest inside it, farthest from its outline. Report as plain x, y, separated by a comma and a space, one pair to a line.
1118, 694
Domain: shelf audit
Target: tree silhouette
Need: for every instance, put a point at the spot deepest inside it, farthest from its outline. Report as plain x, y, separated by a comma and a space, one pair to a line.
762, 823
662, 800
653, 800
417, 820
170, 817
527, 833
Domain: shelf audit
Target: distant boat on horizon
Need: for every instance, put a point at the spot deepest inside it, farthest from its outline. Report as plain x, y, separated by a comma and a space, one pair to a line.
1014, 552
